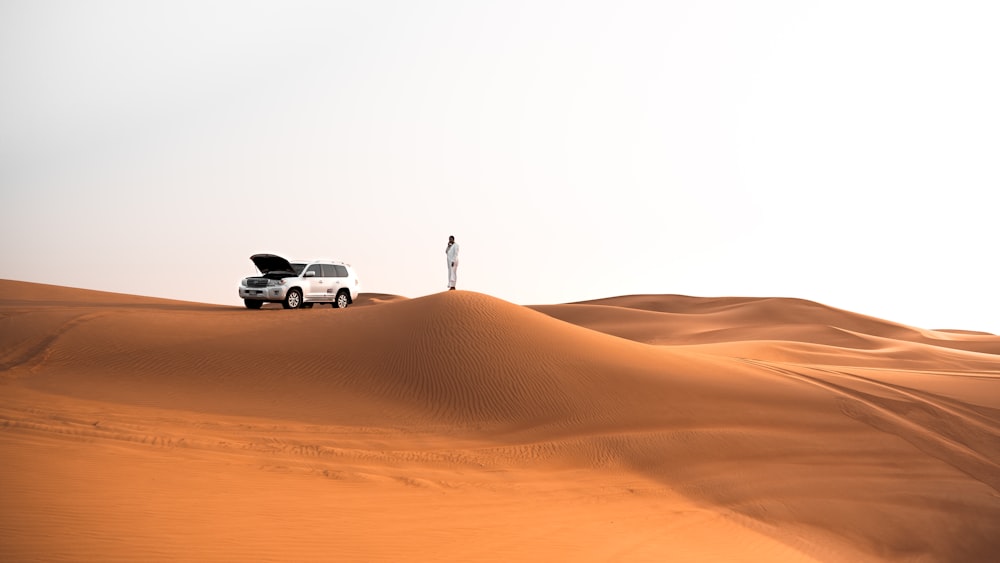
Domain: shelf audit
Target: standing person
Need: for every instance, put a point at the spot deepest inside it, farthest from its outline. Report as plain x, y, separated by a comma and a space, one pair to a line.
452, 253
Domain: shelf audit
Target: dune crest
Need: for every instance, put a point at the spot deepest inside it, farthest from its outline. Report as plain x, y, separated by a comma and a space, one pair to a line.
631, 428
677, 319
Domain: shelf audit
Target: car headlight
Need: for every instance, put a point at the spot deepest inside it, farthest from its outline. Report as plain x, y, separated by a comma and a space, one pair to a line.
274, 282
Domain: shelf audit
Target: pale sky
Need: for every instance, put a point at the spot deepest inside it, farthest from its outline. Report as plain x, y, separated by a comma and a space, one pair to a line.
845, 152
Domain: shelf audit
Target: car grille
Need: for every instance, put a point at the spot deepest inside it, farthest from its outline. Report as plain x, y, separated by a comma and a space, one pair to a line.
256, 282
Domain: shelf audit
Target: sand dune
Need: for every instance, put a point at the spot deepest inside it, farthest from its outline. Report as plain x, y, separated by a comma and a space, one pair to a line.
458, 426
677, 319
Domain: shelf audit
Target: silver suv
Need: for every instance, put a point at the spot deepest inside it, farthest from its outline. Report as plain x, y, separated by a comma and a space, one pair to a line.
299, 284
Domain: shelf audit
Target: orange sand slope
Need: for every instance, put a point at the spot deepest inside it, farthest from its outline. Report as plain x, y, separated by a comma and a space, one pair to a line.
460, 427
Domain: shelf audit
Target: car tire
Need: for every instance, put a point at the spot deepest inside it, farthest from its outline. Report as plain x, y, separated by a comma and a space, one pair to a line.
293, 299
342, 300
252, 303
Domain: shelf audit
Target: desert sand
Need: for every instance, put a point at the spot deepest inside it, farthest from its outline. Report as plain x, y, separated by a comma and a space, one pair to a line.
461, 427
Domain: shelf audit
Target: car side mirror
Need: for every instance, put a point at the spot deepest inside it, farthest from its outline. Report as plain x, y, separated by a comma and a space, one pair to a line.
310, 274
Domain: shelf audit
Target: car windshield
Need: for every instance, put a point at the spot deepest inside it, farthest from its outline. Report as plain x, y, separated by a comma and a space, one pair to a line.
298, 267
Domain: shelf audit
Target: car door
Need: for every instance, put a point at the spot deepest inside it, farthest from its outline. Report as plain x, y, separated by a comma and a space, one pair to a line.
313, 283
333, 280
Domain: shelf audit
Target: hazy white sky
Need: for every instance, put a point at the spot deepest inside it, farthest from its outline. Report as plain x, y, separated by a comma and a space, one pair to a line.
844, 152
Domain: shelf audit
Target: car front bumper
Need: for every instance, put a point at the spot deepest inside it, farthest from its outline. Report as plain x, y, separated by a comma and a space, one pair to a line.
262, 293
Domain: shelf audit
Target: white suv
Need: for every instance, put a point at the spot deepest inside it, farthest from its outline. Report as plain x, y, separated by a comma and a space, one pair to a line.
299, 284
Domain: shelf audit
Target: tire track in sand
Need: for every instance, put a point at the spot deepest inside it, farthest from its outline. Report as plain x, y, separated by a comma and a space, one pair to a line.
936, 429
35, 354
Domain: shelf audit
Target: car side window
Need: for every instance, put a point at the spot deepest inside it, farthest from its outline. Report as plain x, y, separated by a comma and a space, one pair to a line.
328, 271
341, 271
315, 269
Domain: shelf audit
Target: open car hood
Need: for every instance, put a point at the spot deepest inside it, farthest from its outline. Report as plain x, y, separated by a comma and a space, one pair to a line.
267, 263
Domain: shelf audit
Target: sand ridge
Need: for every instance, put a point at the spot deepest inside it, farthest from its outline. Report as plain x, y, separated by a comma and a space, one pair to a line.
794, 430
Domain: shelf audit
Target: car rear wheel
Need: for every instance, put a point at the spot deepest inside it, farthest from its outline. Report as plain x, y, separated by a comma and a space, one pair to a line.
252, 303
293, 300
342, 301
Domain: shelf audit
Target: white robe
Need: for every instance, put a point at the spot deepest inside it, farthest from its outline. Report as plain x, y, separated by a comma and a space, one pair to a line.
452, 253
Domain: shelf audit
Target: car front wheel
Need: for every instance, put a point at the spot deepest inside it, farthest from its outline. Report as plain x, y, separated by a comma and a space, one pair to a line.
252, 303
293, 300
342, 301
